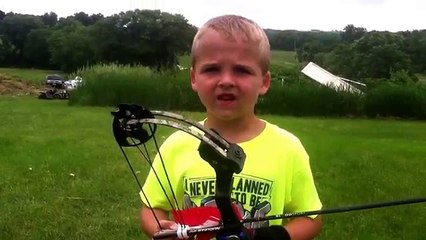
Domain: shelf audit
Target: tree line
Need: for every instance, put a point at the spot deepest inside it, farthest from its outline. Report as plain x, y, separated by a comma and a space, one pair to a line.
357, 53
156, 39
145, 37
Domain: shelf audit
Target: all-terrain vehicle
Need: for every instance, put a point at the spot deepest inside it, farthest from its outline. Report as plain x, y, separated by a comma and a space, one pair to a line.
54, 88
54, 94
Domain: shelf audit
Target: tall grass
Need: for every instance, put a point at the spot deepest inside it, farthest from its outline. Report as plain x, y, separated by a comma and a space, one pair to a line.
400, 101
290, 93
108, 85
307, 99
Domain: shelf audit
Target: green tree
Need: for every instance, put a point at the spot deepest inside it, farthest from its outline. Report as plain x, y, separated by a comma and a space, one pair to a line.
6, 50
283, 40
340, 60
351, 33
310, 44
377, 54
49, 19
71, 47
108, 41
87, 20
16, 28
147, 37
2, 15
36, 49
415, 46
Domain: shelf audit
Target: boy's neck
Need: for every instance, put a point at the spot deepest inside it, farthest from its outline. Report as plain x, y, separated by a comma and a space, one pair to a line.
236, 130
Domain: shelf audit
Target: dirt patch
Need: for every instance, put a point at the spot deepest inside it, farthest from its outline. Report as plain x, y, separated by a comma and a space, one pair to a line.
17, 87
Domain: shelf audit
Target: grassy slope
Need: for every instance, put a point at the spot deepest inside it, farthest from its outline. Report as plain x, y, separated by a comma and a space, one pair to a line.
35, 76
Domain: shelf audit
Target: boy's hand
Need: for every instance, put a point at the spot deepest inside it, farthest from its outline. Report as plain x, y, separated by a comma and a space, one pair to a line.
166, 225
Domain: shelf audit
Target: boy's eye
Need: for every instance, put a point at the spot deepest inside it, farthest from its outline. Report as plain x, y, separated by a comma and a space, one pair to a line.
210, 69
242, 70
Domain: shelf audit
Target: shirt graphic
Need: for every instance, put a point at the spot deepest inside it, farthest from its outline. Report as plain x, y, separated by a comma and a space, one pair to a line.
252, 195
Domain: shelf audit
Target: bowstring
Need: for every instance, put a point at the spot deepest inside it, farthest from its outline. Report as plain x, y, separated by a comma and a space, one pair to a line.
139, 184
149, 160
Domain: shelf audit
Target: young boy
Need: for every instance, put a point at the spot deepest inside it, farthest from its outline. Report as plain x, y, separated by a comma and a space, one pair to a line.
230, 69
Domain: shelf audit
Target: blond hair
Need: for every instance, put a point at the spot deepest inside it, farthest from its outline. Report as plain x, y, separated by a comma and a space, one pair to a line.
236, 27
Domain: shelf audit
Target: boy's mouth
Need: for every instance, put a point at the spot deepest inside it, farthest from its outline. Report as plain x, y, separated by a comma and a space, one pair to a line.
226, 97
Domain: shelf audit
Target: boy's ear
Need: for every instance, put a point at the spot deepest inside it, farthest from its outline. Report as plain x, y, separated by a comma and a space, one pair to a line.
266, 82
193, 81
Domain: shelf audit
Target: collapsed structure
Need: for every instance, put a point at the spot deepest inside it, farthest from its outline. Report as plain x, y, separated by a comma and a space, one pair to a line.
326, 78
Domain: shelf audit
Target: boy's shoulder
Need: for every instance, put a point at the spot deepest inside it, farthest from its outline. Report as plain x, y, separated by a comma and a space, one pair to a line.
275, 131
284, 141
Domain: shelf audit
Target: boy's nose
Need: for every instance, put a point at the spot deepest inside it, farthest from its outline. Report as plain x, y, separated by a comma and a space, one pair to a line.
226, 80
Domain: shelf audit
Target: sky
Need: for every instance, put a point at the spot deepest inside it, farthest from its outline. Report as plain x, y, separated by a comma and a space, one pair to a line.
303, 15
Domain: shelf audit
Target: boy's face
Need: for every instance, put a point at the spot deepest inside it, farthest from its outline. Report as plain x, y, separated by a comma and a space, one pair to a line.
227, 76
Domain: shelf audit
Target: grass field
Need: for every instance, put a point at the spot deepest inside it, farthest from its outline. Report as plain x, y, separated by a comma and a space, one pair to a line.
278, 57
62, 175
283, 58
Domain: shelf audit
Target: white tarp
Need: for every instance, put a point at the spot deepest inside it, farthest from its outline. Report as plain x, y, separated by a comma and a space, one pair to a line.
326, 78
73, 83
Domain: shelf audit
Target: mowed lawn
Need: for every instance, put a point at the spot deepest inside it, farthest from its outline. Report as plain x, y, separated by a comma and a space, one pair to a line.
283, 58
62, 176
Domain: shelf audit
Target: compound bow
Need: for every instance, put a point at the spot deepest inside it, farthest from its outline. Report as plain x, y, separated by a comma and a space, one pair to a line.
134, 125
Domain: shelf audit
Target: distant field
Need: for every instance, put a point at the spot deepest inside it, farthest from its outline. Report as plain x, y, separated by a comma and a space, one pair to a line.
35, 76
281, 58
422, 78
62, 175
185, 61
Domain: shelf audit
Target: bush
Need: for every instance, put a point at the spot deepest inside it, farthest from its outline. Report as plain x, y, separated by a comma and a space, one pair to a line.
307, 98
390, 100
108, 85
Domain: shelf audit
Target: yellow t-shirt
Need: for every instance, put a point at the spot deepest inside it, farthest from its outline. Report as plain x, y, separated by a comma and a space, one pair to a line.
276, 177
